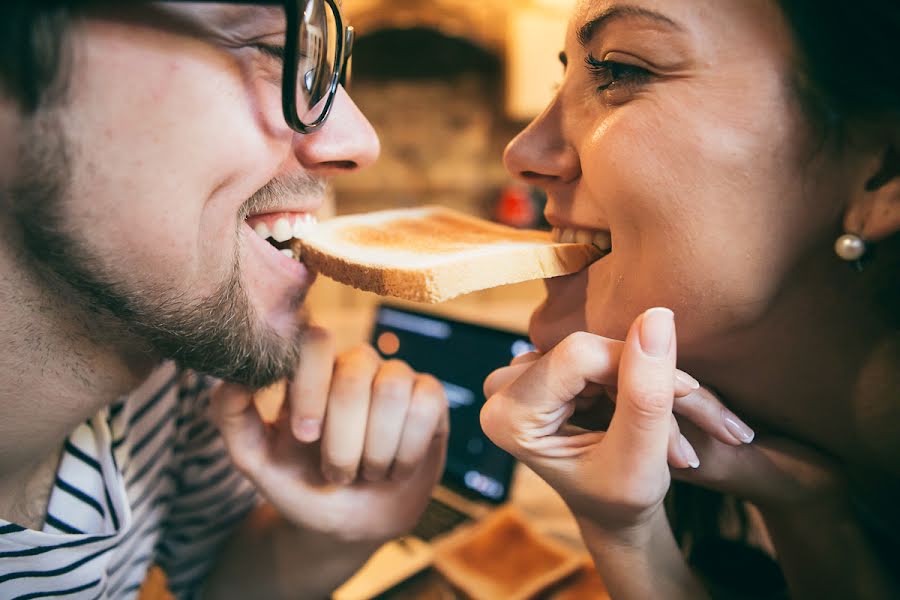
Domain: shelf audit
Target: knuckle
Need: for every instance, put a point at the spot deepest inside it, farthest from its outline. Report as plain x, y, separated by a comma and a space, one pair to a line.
392, 389
650, 403
397, 366
423, 410
573, 347
347, 381
427, 386
364, 353
356, 359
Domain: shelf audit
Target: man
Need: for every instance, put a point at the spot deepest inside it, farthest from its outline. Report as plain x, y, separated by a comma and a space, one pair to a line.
144, 149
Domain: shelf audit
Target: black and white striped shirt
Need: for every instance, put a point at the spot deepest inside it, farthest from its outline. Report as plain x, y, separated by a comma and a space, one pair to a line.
147, 480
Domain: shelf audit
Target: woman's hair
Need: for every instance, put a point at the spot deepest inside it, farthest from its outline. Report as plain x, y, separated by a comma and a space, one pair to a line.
846, 63
847, 58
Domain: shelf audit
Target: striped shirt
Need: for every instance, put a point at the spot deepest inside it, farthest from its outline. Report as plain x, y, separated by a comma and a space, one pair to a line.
147, 480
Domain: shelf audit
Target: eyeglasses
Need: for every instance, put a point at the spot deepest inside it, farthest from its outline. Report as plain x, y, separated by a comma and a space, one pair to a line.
317, 58
316, 61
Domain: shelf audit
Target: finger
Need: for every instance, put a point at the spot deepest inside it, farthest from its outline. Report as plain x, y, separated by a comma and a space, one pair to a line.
502, 377
391, 396
528, 357
425, 420
706, 411
537, 402
308, 391
232, 410
640, 425
344, 430
684, 383
681, 453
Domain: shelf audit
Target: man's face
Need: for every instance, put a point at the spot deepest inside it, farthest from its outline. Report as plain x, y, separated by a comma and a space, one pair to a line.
170, 141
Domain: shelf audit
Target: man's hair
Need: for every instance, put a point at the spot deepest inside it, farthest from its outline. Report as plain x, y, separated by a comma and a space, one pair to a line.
33, 50
847, 65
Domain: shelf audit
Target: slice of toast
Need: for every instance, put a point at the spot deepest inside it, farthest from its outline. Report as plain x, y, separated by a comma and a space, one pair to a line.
503, 556
432, 253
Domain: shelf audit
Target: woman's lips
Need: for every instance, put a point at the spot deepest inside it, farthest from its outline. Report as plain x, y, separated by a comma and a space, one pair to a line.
602, 240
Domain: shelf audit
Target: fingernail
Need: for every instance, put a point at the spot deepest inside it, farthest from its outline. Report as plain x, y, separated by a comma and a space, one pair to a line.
738, 428
657, 328
307, 430
688, 453
687, 380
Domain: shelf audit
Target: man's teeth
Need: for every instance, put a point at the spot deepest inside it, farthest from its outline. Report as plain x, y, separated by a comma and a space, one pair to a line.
566, 235
282, 230
285, 229
262, 230
304, 225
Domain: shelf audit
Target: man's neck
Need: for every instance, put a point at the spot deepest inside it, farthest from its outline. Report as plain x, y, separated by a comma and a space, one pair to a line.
55, 372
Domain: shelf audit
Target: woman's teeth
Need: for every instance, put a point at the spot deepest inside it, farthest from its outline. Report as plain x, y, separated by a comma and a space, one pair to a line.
284, 230
566, 235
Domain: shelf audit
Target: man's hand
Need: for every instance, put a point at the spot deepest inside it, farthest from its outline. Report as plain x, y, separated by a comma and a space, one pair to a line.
357, 448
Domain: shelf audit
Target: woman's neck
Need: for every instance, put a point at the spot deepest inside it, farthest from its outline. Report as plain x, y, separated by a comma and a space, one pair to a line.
816, 367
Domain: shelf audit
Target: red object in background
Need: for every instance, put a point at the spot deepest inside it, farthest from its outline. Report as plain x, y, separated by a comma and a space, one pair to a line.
516, 207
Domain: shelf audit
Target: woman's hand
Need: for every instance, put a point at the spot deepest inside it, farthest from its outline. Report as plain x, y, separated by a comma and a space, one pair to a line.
618, 477
775, 474
613, 481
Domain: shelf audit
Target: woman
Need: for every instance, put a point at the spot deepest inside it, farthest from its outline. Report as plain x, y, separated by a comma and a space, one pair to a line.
729, 149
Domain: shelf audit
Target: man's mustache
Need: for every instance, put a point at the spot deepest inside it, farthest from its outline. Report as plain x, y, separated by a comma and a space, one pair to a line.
272, 195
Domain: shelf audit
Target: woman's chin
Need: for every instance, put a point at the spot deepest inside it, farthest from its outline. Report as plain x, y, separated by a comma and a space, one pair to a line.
551, 324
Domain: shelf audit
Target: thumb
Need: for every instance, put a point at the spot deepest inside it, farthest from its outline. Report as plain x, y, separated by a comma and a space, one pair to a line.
232, 409
640, 425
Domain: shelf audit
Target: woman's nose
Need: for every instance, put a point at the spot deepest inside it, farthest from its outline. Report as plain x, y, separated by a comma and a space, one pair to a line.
346, 142
540, 154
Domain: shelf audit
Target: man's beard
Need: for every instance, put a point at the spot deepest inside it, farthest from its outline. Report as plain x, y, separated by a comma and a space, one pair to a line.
220, 335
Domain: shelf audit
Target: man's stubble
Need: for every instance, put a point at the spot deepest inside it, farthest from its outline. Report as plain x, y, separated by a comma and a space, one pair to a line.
219, 335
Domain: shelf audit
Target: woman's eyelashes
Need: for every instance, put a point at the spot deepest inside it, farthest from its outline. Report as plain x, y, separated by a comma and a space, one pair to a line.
612, 76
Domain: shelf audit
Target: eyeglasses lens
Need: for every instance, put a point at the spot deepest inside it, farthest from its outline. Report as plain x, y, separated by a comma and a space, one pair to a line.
317, 49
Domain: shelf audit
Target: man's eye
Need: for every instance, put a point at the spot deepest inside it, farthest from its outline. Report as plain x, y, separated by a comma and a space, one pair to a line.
276, 52
610, 75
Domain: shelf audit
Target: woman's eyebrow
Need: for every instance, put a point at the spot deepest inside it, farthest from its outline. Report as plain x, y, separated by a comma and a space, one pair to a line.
623, 11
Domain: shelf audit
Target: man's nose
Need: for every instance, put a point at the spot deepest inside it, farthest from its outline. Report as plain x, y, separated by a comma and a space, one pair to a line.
346, 142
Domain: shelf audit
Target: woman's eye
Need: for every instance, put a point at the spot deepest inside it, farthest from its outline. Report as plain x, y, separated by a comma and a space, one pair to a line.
609, 75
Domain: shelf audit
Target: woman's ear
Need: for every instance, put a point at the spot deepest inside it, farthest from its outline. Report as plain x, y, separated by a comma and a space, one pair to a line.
874, 211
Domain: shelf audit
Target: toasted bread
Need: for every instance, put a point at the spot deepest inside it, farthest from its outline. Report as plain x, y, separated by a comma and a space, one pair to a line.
503, 557
432, 253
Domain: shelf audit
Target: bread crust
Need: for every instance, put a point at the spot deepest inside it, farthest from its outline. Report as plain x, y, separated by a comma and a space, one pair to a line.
498, 256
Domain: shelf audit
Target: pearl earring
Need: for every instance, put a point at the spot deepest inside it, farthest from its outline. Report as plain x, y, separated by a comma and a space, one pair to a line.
850, 247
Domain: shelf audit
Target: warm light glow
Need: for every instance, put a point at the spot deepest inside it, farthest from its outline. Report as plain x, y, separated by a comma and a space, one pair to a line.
388, 343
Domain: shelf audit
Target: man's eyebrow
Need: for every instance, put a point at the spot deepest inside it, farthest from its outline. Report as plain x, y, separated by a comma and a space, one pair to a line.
587, 31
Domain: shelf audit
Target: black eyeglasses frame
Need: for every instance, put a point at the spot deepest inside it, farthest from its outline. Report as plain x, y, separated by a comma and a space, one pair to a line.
293, 9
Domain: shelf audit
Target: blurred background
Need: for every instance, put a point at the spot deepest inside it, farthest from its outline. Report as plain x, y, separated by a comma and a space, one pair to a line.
447, 84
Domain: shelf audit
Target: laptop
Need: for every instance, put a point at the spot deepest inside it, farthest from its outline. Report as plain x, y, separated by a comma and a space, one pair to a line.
478, 475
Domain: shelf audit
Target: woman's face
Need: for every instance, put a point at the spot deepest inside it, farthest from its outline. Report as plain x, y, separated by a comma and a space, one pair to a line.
676, 130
